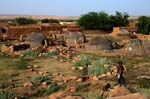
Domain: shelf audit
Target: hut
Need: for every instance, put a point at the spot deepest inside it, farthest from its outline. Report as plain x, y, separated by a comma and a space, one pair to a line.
123, 32
99, 43
35, 40
138, 47
73, 38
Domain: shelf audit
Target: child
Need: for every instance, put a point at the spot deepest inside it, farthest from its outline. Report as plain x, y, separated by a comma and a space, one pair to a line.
105, 88
120, 72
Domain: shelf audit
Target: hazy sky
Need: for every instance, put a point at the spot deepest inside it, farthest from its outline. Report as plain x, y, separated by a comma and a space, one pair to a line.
73, 7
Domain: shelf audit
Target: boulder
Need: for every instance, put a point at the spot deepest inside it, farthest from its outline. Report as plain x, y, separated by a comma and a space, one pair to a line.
119, 91
63, 95
28, 84
130, 96
71, 88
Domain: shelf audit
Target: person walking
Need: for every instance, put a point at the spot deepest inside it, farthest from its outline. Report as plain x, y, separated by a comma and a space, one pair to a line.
120, 73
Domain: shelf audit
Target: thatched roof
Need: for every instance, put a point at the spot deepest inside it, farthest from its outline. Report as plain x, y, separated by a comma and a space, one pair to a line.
73, 34
99, 43
74, 38
123, 32
138, 47
35, 39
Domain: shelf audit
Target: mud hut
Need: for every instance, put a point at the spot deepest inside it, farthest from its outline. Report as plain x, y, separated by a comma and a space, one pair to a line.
35, 40
138, 47
72, 38
99, 43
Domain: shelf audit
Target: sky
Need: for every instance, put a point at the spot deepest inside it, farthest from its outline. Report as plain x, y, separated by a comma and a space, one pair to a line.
73, 7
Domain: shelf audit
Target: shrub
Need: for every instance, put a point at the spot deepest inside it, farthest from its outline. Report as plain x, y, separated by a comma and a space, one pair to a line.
52, 88
29, 53
45, 21
5, 94
84, 60
98, 67
53, 53
39, 78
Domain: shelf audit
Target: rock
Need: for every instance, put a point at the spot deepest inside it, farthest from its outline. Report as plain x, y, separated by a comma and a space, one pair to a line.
74, 77
71, 88
102, 76
41, 73
108, 74
56, 74
119, 91
28, 84
29, 66
73, 68
95, 78
63, 95
44, 84
130, 96
81, 68
79, 79
35, 66
57, 95
31, 70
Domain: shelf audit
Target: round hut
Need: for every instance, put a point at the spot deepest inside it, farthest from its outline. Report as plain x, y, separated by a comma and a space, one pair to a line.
138, 47
73, 38
35, 40
123, 32
99, 43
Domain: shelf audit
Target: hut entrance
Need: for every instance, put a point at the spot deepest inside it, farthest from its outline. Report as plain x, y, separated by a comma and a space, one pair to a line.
3, 30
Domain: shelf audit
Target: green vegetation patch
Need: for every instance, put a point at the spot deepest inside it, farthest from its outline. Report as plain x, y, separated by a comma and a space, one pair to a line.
99, 67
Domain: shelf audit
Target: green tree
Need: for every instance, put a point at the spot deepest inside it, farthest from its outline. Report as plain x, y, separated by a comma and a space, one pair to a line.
45, 21
143, 25
53, 21
119, 19
102, 20
89, 21
24, 21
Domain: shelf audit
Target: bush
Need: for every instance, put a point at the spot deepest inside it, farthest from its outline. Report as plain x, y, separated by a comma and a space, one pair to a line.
84, 60
53, 53
53, 87
39, 78
5, 94
143, 25
24, 21
30, 53
98, 67
45, 21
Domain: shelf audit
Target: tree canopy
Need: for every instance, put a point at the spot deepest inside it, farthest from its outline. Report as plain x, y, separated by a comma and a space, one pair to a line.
24, 21
143, 25
49, 21
103, 21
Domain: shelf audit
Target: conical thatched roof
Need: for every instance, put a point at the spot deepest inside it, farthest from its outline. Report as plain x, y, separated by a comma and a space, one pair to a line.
35, 39
99, 43
73, 34
123, 32
74, 37
138, 47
